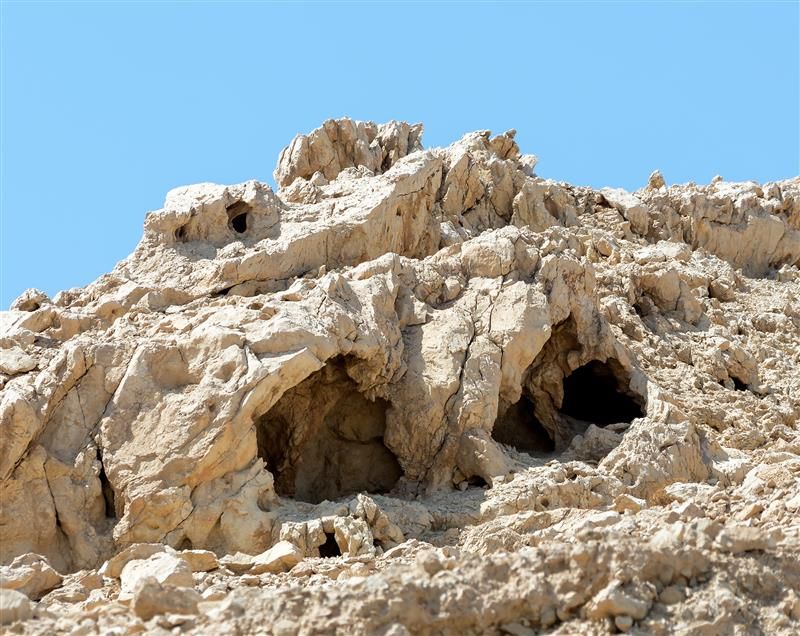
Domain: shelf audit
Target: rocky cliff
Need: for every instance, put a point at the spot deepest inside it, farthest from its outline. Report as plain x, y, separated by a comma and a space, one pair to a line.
414, 391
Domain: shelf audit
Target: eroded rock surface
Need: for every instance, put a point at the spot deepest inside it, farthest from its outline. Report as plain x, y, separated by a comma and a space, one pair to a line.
414, 391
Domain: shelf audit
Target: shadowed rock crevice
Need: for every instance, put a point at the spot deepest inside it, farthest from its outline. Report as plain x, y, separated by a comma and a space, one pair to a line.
330, 548
108, 491
519, 427
324, 439
598, 392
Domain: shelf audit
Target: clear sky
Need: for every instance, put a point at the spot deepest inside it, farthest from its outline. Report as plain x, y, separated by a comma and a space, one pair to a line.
107, 106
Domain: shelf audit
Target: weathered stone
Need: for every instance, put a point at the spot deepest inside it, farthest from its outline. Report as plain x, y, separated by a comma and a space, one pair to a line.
200, 560
14, 606
281, 557
151, 598
30, 574
165, 568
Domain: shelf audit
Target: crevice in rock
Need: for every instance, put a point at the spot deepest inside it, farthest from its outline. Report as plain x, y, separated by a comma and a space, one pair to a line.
330, 548
519, 427
185, 544
598, 392
108, 491
738, 384
238, 216
324, 439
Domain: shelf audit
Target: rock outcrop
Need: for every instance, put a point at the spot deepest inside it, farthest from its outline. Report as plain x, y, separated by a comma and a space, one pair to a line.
478, 400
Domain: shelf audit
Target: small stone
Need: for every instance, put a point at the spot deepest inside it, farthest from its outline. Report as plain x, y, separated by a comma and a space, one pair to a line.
200, 560
14, 361
237, 563
113, 567
281, 557
623, 622
671, 594
613, 601
165, 568
656, 180
736, 539
14, 606
31, 575
517, 629
150, 598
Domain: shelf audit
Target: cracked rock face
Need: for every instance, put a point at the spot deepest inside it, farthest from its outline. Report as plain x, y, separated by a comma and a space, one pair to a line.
415, 391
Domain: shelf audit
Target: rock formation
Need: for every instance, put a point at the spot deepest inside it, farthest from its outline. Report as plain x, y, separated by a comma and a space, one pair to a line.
414, 392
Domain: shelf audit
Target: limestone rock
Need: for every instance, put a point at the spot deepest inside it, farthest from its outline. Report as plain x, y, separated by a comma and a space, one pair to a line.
15, 360
30, 574
30, 300
281, 557
165, 568
200, 560
14, 606
151, 598
415, 390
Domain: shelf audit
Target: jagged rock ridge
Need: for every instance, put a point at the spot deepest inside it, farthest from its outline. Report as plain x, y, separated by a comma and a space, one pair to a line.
428, 369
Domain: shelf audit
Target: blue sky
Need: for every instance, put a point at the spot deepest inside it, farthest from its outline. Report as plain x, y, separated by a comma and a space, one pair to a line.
106, 106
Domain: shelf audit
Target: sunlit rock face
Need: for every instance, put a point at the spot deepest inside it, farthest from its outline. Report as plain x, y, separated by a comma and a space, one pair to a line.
430, 376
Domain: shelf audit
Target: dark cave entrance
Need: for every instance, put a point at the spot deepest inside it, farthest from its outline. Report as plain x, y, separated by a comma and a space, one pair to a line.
324, 439
330, 548
238, 216
105, 487
519, 427
598, 392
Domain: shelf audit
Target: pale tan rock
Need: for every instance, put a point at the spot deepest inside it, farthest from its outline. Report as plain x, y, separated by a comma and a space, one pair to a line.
15, 360
151, 598
30, 300
165, 568
281, 557
238, 563
614, 601
737, 538
200, 560
137, 552
14, 606
30, 574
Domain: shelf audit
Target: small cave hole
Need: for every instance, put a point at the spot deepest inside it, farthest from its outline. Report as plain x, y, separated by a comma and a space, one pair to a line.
476, 481
598, 392
107, 490
185, 544
519, 427
238, 216
330, 548
324, 439
180, 233
738, 384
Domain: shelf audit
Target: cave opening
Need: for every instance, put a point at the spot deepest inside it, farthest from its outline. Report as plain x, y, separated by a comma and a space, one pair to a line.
106, 489
738, 384
238, 215
598, 392
519, 427
330, 548
324, 439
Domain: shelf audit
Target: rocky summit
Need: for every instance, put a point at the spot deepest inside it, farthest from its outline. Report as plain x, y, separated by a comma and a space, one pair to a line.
414, 392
